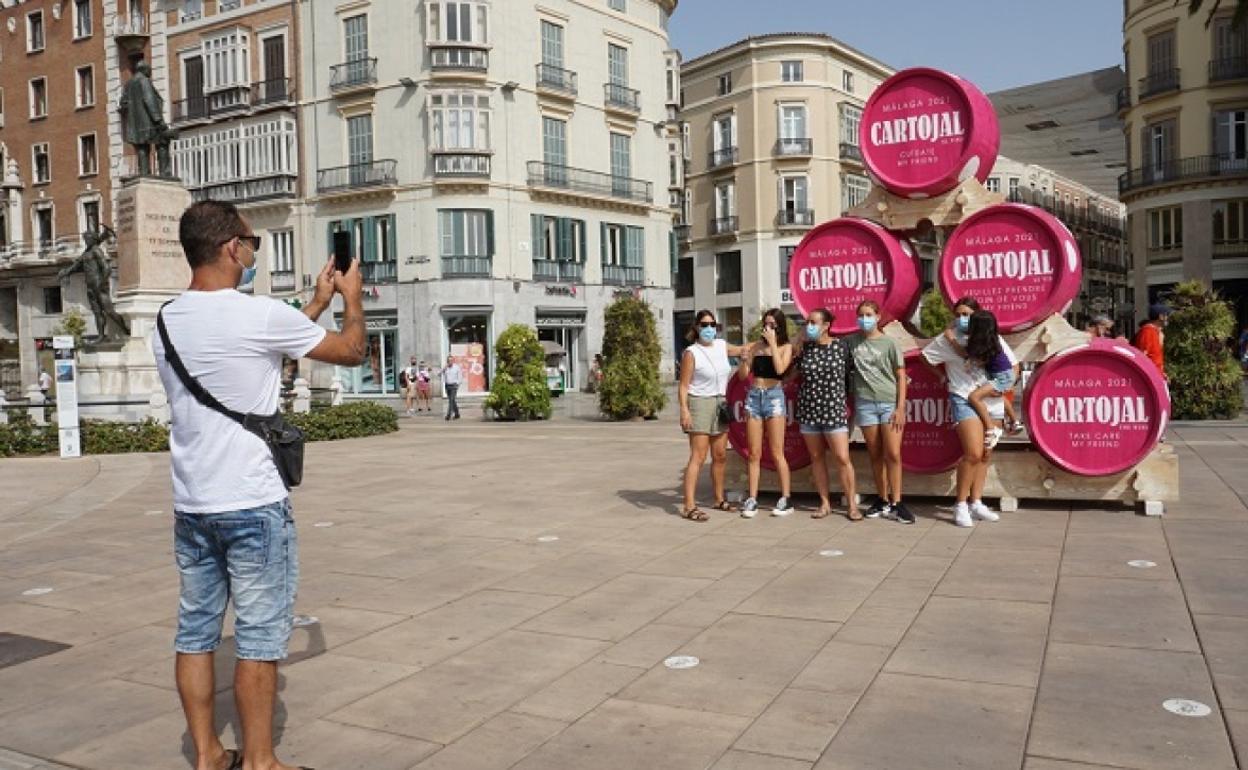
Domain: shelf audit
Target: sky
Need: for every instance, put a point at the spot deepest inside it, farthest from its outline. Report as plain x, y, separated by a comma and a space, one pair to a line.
997, 44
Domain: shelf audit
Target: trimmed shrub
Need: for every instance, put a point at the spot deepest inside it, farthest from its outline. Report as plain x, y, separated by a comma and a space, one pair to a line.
72, 324
519, 391
1204, 376
935, 314
354, 420
631, 353
21, 436
101, 437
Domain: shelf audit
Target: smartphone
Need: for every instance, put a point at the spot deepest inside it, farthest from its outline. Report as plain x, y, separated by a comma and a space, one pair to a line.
342, 251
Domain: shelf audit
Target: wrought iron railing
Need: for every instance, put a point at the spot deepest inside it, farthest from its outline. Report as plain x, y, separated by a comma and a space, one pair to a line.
592, 182
1159, 82
623, 275
793, 146
723, 225
451, 56
1230, 68
466, 267
556, 78
1197, 167
379, 272
282, 280
353, 74
557, 271
461, 164
377, 173
617, 95
1124, 98
722, 157
796, 217
851, 151
246, 190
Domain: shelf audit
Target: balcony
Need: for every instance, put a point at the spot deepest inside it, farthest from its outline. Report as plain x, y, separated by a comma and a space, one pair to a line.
282, 280
723, 225
262, 188
556, 80
355, 75
466, 267
684, 233
796, 218
1124, 98
1232, 68
1198, 167
458, 58
234, 101
621, 98
130, 28
851, 151
726, 156
592, 183
357, 176
461, 165
380, 272
787, 147
621, 275
1230, 248
268, 93
1159, 82
558, 271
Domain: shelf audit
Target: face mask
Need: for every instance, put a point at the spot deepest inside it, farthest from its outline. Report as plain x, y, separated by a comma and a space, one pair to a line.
866, 323
707, 334
813, 331
249, 273
964, 323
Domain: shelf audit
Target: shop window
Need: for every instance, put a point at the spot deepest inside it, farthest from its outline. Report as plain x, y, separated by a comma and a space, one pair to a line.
728, 272
468, 341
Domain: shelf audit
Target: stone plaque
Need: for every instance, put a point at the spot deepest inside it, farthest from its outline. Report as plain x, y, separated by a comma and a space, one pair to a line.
149, 255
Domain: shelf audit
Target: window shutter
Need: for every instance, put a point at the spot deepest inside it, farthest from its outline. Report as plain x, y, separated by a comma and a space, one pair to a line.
392, 238
1146, 149
733, 124
489, 232
535, 233
602, 241
370, 239
671, 249
563, 234
583, 252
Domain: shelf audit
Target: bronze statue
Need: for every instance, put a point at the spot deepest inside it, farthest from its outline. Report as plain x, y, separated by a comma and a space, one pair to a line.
143, 122
93, 262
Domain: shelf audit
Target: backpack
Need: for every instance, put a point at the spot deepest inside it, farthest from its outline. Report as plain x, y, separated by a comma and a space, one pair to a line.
403, 378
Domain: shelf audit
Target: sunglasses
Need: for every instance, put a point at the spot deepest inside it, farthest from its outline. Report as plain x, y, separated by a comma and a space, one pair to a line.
253, 241
707, 325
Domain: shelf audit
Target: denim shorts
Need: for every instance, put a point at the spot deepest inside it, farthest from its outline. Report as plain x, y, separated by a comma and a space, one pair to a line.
868, 413
250, 555
820, 429
1002, 381
765, 403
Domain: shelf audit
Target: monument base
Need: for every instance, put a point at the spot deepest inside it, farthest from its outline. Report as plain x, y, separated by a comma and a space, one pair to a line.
1017, 472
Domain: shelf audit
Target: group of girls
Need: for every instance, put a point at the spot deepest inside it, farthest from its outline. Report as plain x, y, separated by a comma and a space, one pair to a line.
867, 365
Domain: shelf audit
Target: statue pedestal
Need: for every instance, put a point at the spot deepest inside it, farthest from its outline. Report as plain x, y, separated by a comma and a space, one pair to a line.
151, 270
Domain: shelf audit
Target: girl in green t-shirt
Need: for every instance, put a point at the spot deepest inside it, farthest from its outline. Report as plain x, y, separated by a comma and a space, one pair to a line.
879, 385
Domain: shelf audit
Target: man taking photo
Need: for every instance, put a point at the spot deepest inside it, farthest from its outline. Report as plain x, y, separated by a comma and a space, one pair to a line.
234, 534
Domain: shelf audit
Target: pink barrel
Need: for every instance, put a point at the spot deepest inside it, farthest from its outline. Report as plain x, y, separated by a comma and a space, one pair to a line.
843, 262
794, 445
930, 443
1096, 409
1018, 261
924, 131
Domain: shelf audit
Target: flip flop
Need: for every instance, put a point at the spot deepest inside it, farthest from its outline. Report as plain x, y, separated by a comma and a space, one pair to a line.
822, 513
695, 514
723, 505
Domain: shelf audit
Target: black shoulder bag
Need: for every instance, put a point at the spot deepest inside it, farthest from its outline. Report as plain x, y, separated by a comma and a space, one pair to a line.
285, 441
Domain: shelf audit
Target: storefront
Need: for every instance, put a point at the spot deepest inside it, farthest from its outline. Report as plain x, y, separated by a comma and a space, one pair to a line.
378, 375
566, 328
468, 336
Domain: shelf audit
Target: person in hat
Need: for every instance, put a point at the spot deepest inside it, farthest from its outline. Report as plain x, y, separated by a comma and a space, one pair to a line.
1100, 326
1151, 338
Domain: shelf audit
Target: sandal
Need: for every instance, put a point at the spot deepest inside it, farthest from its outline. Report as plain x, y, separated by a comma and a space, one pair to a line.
723, 505
695, 514
853, 514
822, 513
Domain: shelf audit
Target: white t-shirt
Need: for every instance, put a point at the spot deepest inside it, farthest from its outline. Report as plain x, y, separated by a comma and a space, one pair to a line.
966, 375
233, 344
711, 370
452, 375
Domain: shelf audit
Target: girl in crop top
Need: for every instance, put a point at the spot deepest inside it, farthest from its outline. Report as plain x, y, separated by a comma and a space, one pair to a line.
764, 364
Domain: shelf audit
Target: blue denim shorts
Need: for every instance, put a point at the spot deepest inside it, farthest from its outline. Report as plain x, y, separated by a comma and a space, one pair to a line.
765, 403
868, 413
820, 429
962, 409
1002, 381
252, 556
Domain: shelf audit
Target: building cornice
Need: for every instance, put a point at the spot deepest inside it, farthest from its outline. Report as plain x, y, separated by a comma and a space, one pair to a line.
783, 40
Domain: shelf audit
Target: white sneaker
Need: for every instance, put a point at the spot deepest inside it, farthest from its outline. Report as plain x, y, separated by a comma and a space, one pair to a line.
783, 508
749, 509
993, 437
983, 512
962, 515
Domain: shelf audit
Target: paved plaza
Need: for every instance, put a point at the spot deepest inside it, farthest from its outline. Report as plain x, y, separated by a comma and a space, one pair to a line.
505, 595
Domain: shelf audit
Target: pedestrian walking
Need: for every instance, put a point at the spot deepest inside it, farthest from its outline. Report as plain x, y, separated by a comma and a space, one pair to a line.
452, 377
822, 413
234, 531
704, 417
965, 375
767, 360
424, 376
879, 385
45, 382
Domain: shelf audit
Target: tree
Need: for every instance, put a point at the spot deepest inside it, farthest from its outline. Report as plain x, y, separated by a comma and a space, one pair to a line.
72, 325
631, 355
935, 314
1204, 376
1241, 10
518, 390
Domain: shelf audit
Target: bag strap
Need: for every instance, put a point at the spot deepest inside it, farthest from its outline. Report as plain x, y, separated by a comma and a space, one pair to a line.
189, 382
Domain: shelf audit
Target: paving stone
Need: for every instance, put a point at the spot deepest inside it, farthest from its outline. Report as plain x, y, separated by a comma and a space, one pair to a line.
1103, 705
977, 640
579, 691
321, 743
713, 602
947, 724
712, 556
1224, 641
1039, 763
1238, 723
618, 608
841, 668
884, 626
1208, 539
624, 735
575, 573
1019, 575
745, 662
75, 717
649, 645
500, 742
1117, 612
745, 760
797, 724
443, 702
1215, 586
